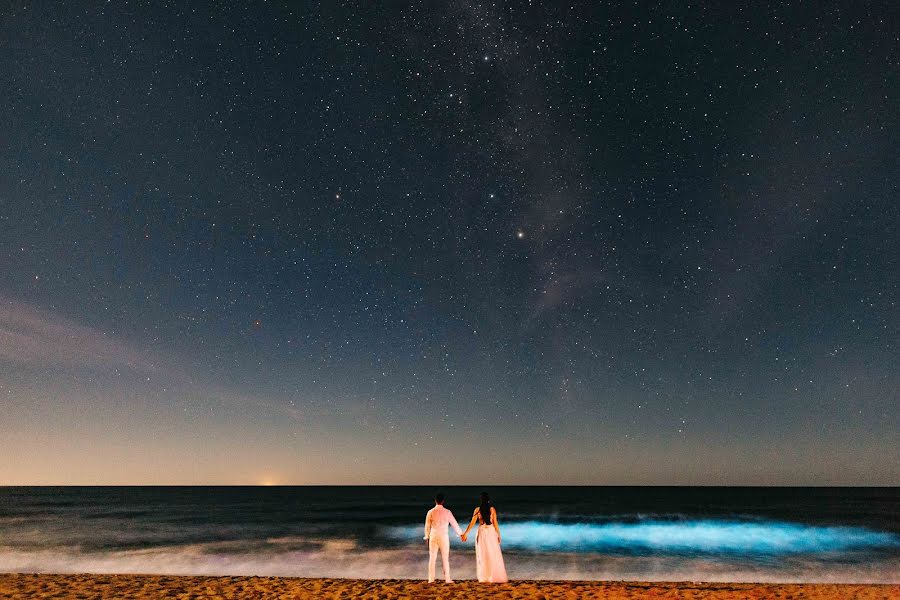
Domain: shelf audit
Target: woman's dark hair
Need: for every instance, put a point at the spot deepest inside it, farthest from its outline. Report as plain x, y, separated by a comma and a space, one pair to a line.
485, 506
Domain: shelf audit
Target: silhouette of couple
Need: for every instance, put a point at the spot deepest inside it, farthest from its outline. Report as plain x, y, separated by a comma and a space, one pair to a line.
489, 565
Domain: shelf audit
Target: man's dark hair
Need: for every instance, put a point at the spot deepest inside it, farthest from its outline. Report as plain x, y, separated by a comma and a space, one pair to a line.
439, 498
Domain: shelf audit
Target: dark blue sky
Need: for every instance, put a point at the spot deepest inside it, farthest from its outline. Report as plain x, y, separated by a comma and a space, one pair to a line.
466, 242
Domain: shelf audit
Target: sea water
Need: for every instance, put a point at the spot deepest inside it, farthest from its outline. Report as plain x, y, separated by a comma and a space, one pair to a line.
588, 533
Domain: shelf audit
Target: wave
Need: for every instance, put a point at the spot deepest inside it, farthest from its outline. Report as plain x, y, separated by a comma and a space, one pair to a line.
684, 537
649, 550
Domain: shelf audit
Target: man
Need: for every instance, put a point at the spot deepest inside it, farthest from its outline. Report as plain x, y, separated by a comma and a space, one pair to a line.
436, 522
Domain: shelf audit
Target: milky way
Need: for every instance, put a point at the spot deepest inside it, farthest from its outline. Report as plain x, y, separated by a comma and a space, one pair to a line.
507, 243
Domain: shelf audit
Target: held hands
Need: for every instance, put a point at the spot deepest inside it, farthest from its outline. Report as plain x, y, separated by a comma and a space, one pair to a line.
463, 536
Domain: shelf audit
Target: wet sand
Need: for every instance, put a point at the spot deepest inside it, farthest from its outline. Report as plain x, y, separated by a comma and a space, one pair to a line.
21, 586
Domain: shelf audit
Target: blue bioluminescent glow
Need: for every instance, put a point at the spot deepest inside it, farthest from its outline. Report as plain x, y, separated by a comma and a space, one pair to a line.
696, 536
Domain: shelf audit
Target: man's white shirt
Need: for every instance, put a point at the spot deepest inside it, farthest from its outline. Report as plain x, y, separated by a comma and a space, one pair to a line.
438, 519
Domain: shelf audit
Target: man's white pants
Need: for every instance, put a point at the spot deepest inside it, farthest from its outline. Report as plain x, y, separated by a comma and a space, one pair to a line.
442, 543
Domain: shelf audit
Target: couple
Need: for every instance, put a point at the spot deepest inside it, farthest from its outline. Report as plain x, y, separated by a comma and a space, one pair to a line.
488, 558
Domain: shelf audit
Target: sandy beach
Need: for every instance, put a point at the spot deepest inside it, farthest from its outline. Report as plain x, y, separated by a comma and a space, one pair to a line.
22, 586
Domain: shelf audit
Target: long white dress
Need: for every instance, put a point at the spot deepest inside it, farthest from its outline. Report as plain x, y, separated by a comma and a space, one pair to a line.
489, 565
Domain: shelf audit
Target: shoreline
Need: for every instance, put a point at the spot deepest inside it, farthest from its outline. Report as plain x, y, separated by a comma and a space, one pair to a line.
89, 586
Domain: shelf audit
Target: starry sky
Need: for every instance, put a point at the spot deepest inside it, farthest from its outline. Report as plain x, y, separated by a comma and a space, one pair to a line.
452, 242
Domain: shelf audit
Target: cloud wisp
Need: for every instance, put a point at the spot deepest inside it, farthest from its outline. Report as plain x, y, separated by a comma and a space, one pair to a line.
38, 338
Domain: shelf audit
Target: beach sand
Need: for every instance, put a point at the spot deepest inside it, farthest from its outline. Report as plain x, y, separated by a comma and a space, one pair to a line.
40, 586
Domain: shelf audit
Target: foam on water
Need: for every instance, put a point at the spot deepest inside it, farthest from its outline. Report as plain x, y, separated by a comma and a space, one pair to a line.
693, 550
345, 559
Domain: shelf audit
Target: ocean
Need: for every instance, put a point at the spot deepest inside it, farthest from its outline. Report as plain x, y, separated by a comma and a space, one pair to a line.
849, 535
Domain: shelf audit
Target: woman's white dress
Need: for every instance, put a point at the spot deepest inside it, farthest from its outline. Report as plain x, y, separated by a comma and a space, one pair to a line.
488, 559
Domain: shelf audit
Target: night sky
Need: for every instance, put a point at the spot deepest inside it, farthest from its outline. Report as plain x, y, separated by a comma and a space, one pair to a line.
455, 243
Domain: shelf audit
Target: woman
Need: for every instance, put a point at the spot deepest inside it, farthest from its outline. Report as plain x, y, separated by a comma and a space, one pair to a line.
488, 559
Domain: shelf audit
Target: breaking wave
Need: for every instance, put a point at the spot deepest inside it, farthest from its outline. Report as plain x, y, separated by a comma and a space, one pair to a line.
685, 537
